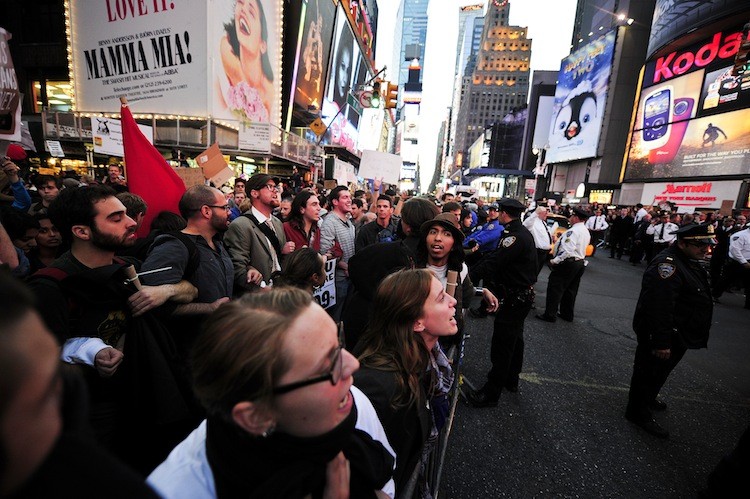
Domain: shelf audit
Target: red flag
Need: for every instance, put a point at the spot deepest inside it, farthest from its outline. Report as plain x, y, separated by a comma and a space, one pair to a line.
149, 175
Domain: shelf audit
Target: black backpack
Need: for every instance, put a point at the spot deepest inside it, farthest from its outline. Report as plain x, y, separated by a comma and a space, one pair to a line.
194, 258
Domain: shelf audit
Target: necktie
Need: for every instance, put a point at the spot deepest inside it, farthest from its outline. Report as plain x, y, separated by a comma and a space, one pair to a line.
663, 226
270, 224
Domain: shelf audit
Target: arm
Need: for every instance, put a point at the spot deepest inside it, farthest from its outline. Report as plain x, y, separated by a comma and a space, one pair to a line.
651, 230
7, 250
327, 234
238, 242
150, 297
22, 200
566, 249
199, 308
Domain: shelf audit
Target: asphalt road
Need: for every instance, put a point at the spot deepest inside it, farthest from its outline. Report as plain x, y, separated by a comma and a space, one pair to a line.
564, 433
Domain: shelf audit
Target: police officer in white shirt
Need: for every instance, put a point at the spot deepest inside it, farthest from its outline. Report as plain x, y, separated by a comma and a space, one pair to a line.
537, 225
567, 266
596, 226
738, 263
640, 213
663, 232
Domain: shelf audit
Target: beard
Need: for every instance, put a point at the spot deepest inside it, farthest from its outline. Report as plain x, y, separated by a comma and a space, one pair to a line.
220, 224
109, 242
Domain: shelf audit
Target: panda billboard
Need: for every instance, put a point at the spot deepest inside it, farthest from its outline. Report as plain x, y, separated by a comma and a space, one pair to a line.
580, 98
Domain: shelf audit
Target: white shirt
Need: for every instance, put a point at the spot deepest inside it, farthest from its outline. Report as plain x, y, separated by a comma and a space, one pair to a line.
572, 244
186, 474
274, 257
739, 246
662, 232
597, 223
538, 229
640, 214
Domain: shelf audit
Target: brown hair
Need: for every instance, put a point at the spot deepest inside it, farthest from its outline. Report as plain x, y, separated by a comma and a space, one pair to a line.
240, 354
390, 343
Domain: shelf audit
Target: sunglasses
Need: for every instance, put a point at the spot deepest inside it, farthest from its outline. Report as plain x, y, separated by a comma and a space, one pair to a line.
334, 375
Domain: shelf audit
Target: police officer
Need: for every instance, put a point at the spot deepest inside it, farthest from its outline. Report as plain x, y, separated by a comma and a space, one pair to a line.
514, 269
673, 314
567, 264
487, 235
738, 264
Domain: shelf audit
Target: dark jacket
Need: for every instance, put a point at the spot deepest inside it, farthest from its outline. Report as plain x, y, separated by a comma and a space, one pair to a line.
372, 233
407, 428
675, 302
513, 266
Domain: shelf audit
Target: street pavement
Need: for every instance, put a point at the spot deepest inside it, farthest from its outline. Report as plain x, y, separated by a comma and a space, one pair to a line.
564, 433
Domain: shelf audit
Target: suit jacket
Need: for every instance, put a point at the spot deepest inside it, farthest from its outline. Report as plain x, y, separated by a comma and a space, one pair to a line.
248, 247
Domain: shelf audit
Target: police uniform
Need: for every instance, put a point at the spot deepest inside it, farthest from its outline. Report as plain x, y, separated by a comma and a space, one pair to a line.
513, 267
487, 236
664, 235
739, 256
673, 313
568, 264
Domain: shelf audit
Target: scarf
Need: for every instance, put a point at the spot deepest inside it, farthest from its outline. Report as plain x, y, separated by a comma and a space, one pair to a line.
279, 465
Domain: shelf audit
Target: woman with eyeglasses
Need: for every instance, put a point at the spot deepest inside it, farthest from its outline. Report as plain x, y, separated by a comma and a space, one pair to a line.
283, 417
403, 367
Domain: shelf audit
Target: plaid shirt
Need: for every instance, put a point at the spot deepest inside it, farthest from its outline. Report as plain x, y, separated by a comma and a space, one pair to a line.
334, 229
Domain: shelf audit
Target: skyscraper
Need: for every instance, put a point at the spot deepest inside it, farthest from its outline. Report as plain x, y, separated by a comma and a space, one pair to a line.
413, 36
497, 82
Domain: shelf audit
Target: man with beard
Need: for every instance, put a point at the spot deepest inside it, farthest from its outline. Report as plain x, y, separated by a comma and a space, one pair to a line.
87, 302
195, 254
256, 241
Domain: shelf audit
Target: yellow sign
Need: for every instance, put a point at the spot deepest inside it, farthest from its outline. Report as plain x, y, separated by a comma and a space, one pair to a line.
318, 127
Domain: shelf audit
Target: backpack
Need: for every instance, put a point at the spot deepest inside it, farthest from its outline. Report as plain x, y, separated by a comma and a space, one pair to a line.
194, 258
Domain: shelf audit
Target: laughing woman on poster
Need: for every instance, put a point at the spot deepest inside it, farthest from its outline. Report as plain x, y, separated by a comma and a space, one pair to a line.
246, 83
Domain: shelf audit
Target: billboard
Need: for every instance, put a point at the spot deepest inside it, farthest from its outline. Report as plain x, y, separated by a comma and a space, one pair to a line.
311, 63
673, 18
345, 59
147, 51
692, 115
219, 58
691, 194
580, 98
245, 52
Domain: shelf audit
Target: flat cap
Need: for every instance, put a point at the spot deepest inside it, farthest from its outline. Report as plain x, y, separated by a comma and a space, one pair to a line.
257, 182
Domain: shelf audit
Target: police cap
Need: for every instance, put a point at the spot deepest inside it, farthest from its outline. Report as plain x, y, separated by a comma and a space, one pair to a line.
696, 232
581, 213
511, 206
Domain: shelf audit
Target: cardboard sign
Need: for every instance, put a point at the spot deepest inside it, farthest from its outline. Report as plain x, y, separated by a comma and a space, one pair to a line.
55, 148
214, 166
376, 164
325, 295
191, 176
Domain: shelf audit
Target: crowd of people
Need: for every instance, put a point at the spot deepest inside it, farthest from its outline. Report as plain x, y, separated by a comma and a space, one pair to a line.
201, 360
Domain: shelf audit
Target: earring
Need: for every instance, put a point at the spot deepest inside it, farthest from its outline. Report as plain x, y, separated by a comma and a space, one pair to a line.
268, 432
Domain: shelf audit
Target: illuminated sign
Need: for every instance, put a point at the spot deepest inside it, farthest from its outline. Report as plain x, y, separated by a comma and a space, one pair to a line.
580, 98
679, 63
691, 194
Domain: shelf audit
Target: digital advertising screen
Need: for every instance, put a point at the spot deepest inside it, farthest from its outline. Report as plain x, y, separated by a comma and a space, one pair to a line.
344, 63
580, 98
696, 120
311, 63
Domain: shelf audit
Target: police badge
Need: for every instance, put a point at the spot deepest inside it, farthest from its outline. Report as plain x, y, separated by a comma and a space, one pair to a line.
508, 241
666, 270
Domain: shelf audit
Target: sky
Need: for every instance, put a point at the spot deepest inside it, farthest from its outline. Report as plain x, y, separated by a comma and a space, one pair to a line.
550, 33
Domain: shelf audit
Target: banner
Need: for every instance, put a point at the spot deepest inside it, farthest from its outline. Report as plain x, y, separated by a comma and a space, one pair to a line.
325, 295
10, 98
580, 98
147, 51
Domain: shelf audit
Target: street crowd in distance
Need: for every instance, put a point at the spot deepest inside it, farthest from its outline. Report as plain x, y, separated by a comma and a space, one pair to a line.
203, 359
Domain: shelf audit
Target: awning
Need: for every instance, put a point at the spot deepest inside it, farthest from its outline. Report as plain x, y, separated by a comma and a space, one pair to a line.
499, 172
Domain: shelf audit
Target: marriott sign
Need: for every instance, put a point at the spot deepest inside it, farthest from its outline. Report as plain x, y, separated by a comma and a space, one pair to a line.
691, 194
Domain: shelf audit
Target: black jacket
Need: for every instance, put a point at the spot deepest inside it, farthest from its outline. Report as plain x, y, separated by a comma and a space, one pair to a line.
513, 265
675, 302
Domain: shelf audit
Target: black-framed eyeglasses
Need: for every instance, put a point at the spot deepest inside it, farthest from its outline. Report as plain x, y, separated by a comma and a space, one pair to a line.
222, 206
333, 376
272, 187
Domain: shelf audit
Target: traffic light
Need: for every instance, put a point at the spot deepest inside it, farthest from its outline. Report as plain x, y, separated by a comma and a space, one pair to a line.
389, 92
375, 99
